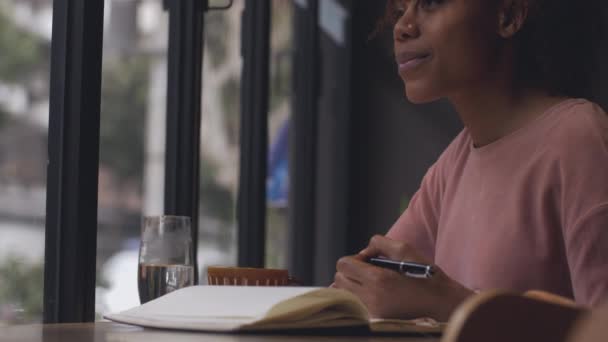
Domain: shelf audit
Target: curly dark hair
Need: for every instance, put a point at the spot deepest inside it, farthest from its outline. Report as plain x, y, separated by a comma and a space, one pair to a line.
557, 48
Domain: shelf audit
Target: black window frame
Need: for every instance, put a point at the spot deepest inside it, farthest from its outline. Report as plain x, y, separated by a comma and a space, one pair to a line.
74, 124
303, 141
251, 202
73, 161
184, 84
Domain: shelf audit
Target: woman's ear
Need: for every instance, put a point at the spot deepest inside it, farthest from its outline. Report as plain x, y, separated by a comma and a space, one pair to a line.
512, 16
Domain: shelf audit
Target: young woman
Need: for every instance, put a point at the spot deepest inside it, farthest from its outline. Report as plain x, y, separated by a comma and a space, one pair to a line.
519, 200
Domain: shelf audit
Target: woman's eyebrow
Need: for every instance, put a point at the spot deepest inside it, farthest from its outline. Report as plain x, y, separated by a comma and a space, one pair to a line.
406, 3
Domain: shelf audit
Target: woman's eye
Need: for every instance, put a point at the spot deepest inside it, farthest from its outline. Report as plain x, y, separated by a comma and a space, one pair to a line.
399, 9
430, 4
399, 12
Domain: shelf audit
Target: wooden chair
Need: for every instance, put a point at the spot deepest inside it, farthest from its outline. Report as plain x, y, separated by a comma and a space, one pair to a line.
591, 328
497, 316
245, 276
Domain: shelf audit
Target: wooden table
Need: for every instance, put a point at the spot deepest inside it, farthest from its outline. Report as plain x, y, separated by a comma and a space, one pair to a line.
112, 332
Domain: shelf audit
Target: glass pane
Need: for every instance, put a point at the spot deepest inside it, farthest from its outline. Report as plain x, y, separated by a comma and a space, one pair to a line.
25, 41
220, 129
279, 120
132, 140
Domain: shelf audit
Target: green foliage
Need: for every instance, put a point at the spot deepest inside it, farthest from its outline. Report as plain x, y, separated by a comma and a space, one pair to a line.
281, 53
230, 93
123, 111
276, 237
280, 80
3, 118
21, 52
21, 285
282, 15
216, 201
216, 28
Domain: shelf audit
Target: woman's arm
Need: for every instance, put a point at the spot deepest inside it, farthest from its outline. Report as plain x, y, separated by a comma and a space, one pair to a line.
417, 225
389, 294
587, 252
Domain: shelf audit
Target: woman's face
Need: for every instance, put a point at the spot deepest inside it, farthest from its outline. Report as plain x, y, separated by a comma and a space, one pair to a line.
444, 47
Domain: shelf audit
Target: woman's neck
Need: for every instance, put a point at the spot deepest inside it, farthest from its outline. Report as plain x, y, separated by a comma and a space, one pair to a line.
491, 113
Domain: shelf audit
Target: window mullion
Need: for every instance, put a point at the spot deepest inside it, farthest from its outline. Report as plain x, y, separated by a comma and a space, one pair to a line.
251, 206
182, 165
73, 161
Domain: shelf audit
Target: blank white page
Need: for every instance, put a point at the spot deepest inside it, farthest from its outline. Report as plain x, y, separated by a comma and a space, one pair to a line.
209, 307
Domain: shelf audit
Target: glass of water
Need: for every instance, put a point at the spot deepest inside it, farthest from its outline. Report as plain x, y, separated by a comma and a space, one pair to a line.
165, 256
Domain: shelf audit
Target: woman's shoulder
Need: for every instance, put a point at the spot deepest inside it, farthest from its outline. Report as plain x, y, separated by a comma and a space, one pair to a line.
581, 114
459, 146
580, 125
454, 156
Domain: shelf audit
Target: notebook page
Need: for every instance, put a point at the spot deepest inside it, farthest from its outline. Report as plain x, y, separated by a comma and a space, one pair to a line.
418, 325
222, 307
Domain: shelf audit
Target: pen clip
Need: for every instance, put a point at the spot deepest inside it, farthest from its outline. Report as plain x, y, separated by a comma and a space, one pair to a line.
425, 275
428, 271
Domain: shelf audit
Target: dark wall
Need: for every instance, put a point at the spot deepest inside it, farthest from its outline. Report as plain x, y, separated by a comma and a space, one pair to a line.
393, 142
373, 146
600, 80
331, 193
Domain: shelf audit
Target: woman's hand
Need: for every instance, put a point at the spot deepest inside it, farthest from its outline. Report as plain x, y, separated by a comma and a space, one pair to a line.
388, 294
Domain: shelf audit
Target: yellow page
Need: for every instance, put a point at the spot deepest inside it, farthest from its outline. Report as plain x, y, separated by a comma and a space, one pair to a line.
420, 325
324, 307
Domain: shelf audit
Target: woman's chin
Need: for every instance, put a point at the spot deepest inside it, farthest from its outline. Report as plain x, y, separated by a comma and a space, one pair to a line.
420, 96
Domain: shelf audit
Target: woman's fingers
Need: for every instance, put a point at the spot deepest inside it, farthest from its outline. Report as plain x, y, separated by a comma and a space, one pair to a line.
348, 266
341, 281
367, 253
392, 249
377, 247
360, 271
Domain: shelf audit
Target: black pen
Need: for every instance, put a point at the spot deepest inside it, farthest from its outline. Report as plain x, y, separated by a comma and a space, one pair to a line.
410, 269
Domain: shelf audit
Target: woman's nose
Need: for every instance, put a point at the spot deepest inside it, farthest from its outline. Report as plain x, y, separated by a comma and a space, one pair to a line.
406, 27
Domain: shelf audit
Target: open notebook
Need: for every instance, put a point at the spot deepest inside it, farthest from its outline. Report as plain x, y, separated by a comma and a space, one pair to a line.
250, 308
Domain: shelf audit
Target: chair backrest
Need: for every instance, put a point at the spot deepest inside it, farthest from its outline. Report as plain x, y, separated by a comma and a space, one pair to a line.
591, 328
506, 317
245, 276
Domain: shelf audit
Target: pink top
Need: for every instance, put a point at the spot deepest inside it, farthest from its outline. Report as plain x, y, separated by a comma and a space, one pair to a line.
529, 211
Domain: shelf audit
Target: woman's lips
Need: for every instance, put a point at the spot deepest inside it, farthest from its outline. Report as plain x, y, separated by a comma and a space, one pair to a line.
408, 64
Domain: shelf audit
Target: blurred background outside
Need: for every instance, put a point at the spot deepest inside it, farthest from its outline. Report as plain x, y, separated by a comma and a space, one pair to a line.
132, 159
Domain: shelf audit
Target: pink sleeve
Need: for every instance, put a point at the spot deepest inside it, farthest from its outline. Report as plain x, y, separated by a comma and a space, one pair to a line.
587, 250
583, 161
418, 224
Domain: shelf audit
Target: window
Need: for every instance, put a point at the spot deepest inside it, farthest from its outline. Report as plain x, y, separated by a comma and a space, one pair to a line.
132, 140
138, 108
220, 130
131, 174
279, 122
25, 36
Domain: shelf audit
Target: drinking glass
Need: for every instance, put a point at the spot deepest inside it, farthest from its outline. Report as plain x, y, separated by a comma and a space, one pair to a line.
165, 256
